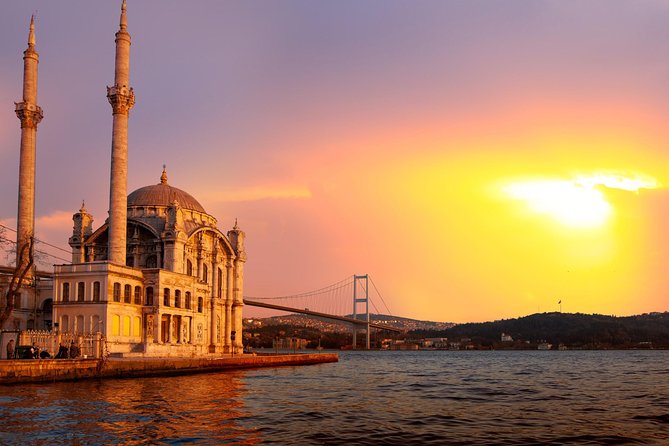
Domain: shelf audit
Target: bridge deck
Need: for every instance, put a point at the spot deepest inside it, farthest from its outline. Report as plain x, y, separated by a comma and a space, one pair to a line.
254, 303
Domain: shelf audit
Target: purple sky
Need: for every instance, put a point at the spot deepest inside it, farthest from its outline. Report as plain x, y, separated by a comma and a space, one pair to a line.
293, 116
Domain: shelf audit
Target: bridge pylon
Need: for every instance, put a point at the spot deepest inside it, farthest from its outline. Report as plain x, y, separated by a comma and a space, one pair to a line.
360, 296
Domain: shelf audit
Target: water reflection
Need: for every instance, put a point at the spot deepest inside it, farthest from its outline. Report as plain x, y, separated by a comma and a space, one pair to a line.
189, 409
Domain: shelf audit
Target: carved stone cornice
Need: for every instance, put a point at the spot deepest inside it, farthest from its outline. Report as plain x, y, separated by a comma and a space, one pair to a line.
121, 99
29, 114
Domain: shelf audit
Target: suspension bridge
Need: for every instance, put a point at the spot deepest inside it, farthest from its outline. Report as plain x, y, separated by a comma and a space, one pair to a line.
345, 301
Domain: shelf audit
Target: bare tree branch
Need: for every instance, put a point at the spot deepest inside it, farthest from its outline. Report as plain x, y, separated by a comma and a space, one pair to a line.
24, 263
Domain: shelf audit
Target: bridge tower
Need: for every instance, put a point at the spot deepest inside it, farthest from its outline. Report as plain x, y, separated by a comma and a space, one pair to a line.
360, 296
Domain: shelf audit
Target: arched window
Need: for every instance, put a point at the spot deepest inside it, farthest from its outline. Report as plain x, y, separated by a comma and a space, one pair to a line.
96, 291
151, 262
66, 292
189, 267
166, 297
149, 296
200, 304
177, 298
220, 282
81, 291
138, 295
126, 293
205, 273
79, 324
117, 292
187, 303
64, 323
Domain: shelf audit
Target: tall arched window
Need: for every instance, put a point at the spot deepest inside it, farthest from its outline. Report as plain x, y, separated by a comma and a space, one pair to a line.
149, 296
177, 298
166, 297
200, 304
189, 267
205, 273
117, 292
126, 293
220, 282
66, 292
187, 304
81, 291
96, 291
138, 295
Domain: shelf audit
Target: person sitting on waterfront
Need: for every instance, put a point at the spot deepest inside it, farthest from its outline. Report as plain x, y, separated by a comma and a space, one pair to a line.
62, 352
10, 349
44, 354
34, 351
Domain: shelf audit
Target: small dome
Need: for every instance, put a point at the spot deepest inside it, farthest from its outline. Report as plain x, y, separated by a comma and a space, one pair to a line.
163, 195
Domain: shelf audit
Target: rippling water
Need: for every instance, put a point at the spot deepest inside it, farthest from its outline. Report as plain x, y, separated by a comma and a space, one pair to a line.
376, 398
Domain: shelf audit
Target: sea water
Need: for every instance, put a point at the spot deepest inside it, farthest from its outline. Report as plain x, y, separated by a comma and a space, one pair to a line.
374, 398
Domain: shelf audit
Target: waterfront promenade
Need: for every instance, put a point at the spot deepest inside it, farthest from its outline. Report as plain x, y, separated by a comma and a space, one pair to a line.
49, 370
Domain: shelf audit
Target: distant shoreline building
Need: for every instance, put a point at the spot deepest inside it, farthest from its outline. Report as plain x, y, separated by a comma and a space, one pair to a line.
157, 278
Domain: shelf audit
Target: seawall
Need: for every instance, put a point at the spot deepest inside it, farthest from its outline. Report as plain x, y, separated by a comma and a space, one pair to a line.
49, 370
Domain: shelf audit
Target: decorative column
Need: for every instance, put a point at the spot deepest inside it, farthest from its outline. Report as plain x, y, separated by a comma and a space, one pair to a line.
30, 115
228, 306
122, 98
237, 237
215, 325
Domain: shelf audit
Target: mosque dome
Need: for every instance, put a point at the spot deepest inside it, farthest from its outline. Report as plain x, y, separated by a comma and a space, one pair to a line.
163, 194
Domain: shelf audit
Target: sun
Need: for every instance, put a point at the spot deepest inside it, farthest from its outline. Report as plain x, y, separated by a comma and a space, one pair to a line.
570, 204
577, 203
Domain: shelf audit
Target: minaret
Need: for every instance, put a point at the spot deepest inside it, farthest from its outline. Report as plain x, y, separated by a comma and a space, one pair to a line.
30, 115
122, 98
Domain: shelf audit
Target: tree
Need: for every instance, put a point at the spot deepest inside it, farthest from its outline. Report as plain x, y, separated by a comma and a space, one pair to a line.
24, 263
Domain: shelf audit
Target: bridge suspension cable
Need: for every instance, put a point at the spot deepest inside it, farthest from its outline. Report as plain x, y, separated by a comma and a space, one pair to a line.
325, 290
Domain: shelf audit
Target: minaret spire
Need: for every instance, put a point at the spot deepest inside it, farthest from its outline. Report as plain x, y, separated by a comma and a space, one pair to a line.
30, 115
31, 34
122, 98
124, 20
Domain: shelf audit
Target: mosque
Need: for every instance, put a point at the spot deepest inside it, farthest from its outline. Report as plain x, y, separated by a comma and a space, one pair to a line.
158, 278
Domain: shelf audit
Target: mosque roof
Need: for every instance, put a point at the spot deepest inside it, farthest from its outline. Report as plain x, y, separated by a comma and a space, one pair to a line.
163, 194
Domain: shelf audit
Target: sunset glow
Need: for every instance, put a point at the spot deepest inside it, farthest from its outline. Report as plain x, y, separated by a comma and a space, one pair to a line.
578, 203
479, 160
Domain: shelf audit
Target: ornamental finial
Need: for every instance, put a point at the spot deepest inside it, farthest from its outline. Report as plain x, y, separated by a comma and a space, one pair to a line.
31, 34
124, 20
163, 177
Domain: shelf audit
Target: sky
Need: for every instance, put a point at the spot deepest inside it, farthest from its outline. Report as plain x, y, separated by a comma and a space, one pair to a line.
480, 160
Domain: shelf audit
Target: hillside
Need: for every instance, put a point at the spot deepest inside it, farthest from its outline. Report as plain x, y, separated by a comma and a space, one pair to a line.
571, 330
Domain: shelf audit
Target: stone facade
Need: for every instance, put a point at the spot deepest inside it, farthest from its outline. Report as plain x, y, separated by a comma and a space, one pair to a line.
157, 278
